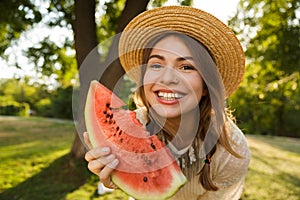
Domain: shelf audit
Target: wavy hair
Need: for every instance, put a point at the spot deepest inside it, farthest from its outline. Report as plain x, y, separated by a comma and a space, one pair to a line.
213, 118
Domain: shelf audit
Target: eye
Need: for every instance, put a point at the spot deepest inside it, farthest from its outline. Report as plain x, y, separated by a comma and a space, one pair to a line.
187, 67
155, 66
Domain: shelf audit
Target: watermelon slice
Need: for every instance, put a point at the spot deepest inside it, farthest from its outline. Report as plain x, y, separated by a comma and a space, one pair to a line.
147, 169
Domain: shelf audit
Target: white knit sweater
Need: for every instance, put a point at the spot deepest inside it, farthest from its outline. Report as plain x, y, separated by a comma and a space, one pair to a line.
227, 171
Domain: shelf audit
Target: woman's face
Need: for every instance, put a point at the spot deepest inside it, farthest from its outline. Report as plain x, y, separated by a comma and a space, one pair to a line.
172, 84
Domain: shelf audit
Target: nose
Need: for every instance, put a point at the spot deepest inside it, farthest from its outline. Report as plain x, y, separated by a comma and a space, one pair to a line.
169, 76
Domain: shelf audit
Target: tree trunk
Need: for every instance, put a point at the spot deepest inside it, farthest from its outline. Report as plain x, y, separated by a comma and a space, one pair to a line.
85, 42
85, 29
114, 72
281, 121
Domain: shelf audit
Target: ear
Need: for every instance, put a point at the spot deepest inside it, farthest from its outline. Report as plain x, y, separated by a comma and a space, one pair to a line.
205, 90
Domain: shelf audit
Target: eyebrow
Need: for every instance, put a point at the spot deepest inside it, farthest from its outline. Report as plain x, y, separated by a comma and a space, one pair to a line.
178, 59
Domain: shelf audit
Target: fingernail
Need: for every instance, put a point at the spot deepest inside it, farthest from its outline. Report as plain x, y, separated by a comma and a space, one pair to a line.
105, 149
110, 157
114, 163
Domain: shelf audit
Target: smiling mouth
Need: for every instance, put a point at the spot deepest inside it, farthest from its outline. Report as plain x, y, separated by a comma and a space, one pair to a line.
169, 96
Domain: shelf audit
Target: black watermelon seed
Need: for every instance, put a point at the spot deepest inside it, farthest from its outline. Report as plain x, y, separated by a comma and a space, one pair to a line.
145, 179
153, 146
107, 105
107, 115
117, 128
104, 112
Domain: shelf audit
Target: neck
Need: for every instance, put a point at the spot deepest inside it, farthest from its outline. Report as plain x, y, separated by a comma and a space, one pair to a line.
183, 129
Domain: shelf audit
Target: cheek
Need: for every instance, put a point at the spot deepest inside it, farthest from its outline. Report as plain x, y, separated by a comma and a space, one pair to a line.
149, 77
146, 90
198, 88
147, 87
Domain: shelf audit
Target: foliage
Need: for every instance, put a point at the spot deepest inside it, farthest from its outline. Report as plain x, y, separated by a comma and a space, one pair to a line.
62, 13
43, 108
52, 58
61, 103
16, 17
52, 61
21, 95
268, 100
107, 23
23, 90
13, 108
158, 3
131, 104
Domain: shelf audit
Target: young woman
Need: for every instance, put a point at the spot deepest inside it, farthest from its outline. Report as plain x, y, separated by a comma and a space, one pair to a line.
186, 62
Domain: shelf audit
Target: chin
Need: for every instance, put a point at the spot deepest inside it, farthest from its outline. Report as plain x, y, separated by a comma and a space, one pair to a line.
167, 114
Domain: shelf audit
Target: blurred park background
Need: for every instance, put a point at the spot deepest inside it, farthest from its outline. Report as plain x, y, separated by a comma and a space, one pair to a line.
42, 46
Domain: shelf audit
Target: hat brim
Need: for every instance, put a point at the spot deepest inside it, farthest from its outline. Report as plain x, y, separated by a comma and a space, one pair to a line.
202, 26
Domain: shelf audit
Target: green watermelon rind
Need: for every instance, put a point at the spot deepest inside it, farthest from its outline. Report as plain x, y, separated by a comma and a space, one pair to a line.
176, 185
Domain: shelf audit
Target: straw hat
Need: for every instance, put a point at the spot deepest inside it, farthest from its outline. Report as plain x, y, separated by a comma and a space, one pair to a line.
202, 26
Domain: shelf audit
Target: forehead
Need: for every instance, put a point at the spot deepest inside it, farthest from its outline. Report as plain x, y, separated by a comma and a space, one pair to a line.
171, 45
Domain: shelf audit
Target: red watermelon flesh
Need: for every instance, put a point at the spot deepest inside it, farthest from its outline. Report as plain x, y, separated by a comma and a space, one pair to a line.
147, 169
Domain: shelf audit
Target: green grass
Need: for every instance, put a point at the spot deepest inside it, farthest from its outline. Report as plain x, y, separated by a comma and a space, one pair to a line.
274, 171
35, 164
29, 145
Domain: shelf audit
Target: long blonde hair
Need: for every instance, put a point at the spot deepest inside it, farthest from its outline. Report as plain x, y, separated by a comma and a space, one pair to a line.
210, 106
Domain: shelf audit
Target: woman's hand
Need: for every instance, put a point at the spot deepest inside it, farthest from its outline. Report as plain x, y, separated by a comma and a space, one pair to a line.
101, 162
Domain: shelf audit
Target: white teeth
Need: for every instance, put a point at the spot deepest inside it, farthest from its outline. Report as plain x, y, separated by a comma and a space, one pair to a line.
169, 96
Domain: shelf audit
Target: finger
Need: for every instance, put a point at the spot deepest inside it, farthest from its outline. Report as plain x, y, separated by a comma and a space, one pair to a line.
97, 165
105, 173
109, 184
96, 153
87, 140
